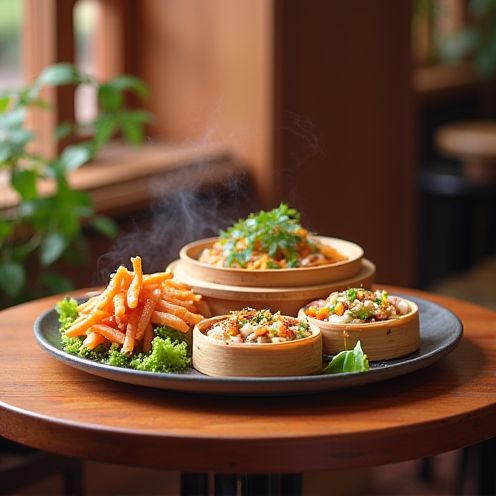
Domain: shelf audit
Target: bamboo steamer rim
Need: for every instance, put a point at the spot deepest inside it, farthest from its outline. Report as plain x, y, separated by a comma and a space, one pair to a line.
393, 322
351, 265
219, 290
200, 329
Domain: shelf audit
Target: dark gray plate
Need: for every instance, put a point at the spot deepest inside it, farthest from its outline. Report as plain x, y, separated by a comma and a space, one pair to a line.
440, 331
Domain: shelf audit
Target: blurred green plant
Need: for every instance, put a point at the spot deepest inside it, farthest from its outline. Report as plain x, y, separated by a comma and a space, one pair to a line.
477, 39
44, 229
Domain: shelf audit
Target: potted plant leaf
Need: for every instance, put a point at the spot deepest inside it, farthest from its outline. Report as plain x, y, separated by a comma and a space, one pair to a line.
43, 228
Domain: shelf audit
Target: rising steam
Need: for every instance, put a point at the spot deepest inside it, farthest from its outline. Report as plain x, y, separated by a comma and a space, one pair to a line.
190, 203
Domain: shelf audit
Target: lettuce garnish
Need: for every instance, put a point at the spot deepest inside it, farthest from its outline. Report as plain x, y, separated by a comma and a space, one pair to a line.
169, 351
348, 361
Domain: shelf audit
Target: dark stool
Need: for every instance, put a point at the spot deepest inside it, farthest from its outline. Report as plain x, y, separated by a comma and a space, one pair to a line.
457, 223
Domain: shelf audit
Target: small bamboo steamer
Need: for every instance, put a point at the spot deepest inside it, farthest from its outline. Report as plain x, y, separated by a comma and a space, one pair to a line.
292, 358
299, 276
223, 298
383, 340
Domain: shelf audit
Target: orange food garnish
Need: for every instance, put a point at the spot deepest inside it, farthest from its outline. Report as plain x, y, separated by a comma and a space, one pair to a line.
322, 313
339, 308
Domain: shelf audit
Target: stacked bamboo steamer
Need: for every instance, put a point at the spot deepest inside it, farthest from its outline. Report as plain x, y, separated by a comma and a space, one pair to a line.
285, 290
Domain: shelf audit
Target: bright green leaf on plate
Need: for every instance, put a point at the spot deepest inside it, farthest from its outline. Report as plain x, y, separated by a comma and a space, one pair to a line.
348, 361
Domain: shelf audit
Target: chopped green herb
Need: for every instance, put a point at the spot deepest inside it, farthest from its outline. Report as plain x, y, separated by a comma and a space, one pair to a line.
275, 232
352, 294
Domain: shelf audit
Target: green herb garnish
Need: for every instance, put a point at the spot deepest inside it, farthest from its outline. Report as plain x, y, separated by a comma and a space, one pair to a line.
348, 361
352, 294
275, 232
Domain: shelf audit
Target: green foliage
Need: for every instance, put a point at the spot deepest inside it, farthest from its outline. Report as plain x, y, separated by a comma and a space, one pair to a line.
67, 312
348, 361
169, 352
166, 356
45, 228
166, 332
275, 232
477, 39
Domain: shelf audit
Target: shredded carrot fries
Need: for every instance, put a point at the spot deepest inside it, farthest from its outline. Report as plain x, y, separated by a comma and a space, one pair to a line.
131, 305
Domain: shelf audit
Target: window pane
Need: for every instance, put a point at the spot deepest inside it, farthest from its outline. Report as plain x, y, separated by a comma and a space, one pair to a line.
86, 13
10, 43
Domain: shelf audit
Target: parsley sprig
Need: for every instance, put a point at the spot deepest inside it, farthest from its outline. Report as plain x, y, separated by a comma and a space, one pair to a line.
276, 232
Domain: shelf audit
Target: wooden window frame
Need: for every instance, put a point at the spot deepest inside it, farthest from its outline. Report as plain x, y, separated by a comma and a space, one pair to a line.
49, 38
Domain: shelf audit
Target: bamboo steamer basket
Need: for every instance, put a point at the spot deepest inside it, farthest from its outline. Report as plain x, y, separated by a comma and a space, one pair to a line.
299, 276
382, 340
292, 358
222, 298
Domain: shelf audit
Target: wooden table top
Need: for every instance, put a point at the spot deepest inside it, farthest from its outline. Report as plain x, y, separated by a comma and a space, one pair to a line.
48, 405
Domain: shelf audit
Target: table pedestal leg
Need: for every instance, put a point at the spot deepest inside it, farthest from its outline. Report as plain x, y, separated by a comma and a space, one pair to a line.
196, 484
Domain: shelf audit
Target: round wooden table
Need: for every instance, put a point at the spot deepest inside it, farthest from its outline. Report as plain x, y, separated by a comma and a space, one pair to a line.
49, 405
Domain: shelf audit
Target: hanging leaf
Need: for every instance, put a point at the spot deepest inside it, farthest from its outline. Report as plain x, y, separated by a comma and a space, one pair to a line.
132, 123
69, 222
128, 82
55, 282
105, 127
6, 228
5, 151
12, 278
109, 98
59, 74
105, 226
133, 131
4, 103
63, 130
52, 247
74, 156
24, 182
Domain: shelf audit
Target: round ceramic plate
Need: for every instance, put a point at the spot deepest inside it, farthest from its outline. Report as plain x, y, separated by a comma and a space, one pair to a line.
440, 332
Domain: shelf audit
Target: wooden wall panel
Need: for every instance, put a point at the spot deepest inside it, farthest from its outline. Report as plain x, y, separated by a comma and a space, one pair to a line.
347, 114
314, 96
209, 65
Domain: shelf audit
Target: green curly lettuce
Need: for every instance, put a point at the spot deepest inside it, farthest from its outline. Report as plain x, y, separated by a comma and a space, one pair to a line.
166, 356
169, 351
